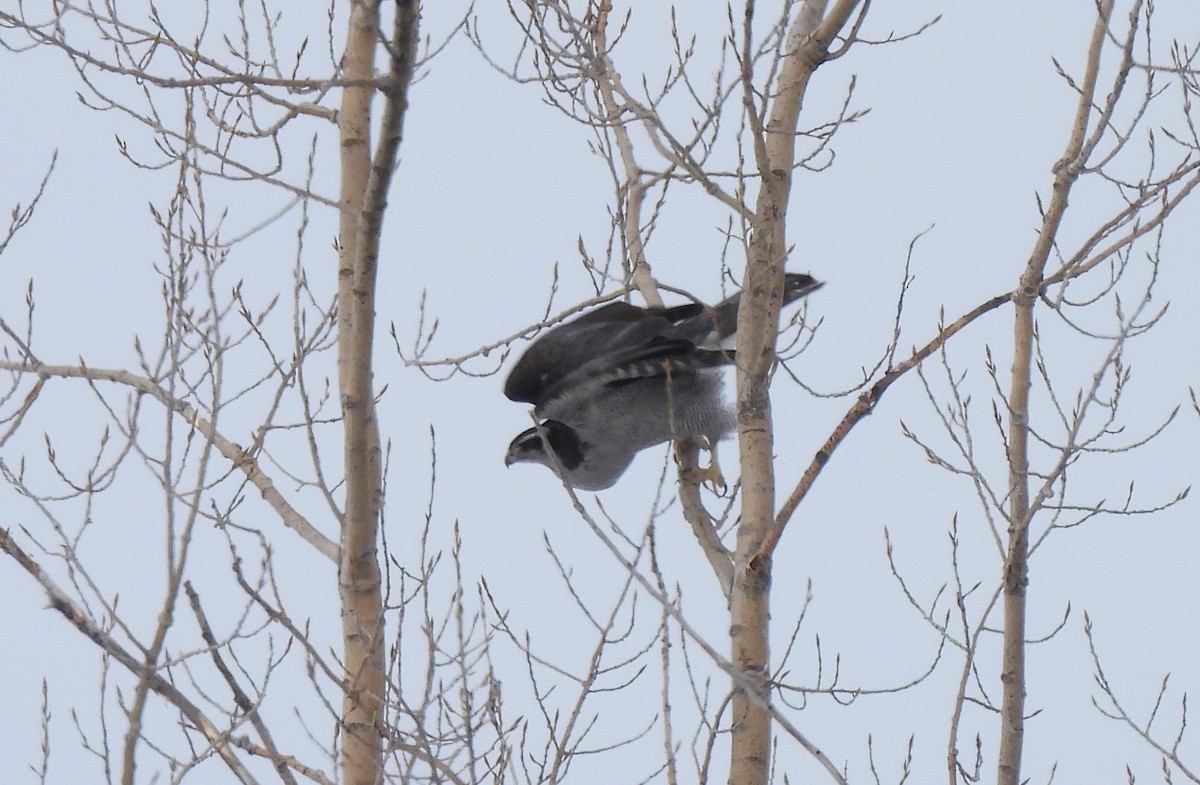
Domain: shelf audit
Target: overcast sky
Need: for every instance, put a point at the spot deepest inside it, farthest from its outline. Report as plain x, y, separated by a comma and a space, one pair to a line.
494, 190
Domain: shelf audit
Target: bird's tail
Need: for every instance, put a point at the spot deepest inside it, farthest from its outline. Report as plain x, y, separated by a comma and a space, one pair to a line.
721, 320
797, 285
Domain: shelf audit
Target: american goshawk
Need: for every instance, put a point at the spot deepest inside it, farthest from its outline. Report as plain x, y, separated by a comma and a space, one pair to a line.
620, 378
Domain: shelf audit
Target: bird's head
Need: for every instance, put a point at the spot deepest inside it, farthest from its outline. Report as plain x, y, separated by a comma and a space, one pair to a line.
530, 446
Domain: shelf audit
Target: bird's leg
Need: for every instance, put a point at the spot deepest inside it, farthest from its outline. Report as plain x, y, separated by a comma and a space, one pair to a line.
713, 472
708, 474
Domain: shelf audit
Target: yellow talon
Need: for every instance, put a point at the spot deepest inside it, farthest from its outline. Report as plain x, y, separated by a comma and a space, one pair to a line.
708, 474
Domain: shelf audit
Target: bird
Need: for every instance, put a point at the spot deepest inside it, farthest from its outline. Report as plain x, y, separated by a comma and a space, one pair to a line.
621, 378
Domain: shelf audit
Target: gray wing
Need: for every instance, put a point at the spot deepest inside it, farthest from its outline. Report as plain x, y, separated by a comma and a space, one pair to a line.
620, 341
562, 353
655, 361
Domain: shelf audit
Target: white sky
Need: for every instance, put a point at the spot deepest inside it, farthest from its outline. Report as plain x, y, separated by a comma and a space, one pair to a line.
494, 189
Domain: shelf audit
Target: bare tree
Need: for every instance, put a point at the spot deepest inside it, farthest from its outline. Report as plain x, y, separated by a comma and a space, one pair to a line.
571, 56
253, 413
237, 105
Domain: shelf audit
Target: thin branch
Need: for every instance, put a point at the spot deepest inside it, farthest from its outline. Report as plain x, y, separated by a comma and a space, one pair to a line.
61, 602
241, 459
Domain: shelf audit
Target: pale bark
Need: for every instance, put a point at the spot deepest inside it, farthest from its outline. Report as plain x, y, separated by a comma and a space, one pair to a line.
1016, 562
358, 575
807, 45
365, 182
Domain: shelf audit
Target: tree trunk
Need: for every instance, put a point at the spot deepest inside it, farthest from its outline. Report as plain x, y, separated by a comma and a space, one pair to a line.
359, 583
1021, 507
758, 323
